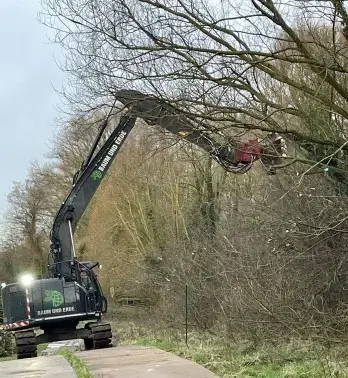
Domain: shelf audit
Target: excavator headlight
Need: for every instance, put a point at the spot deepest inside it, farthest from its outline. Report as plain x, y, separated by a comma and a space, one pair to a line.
27, 279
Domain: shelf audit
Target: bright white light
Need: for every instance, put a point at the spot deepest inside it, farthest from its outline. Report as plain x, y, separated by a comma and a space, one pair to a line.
27, 279
3, 284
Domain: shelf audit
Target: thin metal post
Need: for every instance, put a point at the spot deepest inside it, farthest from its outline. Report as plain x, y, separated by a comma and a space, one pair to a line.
72, 239
186, 314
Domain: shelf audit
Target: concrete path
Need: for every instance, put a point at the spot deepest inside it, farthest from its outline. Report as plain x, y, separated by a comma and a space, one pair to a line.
53, 348
140, 362
39, 367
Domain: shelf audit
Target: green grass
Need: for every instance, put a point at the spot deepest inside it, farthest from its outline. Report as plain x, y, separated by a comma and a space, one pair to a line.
79, 367
8, 358
41, 348
296, 359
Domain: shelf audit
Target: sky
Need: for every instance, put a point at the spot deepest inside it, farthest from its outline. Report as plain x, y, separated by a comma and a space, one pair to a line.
28, 100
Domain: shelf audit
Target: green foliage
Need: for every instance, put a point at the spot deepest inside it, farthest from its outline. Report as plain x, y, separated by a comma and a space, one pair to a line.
6, 339
41, 347
80, 368
6, 344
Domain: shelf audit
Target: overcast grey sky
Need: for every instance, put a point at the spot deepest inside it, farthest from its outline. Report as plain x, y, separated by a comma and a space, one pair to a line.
28, 102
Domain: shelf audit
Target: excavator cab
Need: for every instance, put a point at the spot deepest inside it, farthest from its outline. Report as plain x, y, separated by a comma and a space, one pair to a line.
56, 305
89, 280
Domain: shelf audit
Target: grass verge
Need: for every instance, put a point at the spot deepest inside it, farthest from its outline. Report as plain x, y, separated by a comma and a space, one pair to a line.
8, 358
79, 367
41, 348
298, 358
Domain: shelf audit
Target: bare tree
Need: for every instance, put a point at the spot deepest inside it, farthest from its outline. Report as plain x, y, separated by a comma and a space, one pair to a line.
216, 61
27, 221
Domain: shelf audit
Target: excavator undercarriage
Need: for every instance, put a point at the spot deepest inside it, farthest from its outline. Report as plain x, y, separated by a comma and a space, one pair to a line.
96, 335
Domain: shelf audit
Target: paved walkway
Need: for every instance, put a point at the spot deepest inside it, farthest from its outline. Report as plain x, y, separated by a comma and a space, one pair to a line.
38, 367
53, 348
119, 362
140, 362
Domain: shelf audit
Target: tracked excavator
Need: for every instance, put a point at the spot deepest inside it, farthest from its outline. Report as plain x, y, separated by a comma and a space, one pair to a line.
72, 293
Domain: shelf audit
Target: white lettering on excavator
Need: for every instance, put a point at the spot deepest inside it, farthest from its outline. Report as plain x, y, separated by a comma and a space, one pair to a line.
56, 310
112, 151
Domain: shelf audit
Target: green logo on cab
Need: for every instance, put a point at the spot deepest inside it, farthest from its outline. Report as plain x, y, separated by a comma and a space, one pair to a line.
96, 175
54, 297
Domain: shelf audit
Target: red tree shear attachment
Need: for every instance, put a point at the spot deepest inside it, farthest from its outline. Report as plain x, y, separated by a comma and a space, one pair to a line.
248, 152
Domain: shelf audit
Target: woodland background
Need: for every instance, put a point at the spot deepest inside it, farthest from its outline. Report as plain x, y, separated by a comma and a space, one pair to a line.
264, 256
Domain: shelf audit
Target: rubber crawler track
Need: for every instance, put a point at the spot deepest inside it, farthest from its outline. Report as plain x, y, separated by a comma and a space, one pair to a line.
26, 344
101, 336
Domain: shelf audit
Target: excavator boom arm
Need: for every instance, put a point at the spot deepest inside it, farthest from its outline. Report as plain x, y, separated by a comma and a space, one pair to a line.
234, 158
84, 188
